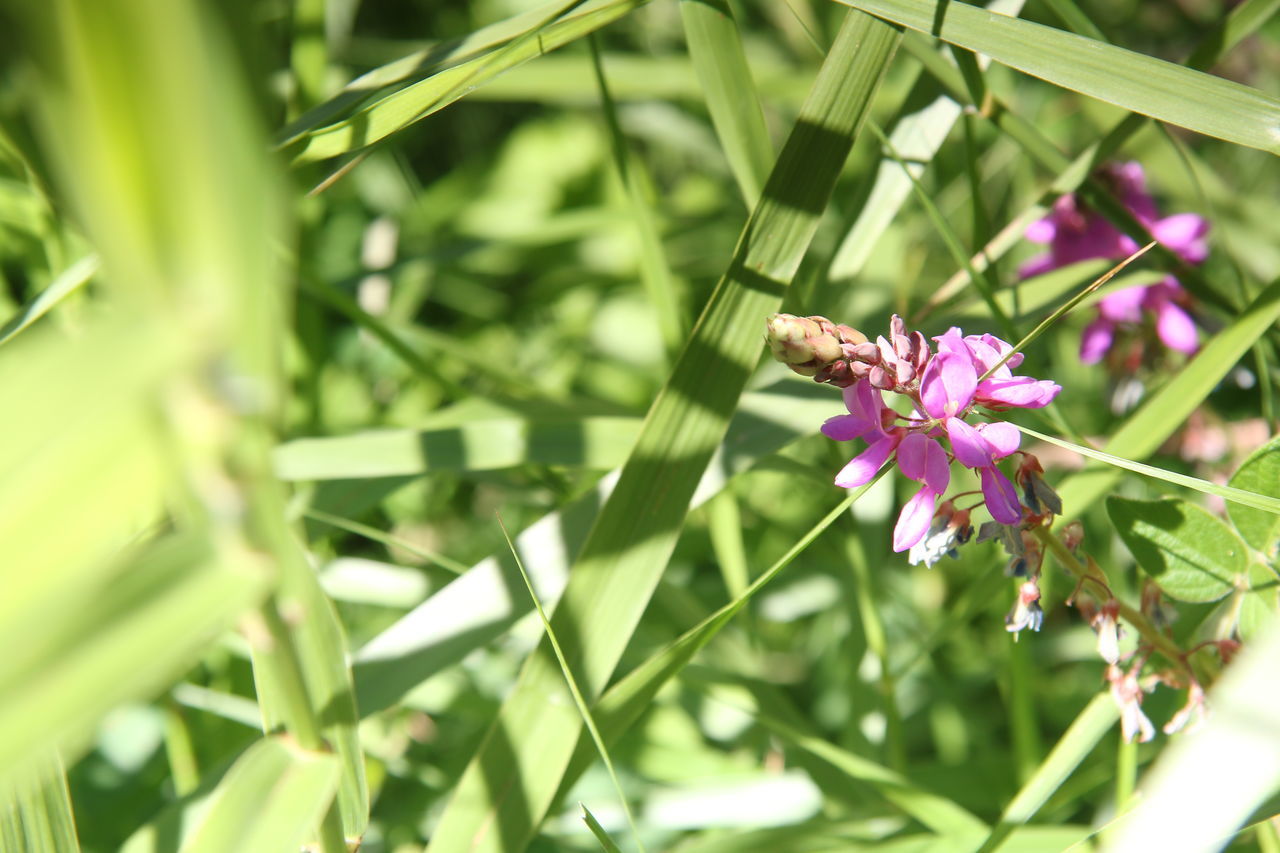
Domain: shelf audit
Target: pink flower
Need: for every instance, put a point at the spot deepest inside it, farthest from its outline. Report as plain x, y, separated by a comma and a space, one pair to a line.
1076, 233
944, 388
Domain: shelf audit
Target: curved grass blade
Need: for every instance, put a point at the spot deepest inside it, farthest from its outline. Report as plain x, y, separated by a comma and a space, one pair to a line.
1142, 84
397, 111
512, 780
35, 816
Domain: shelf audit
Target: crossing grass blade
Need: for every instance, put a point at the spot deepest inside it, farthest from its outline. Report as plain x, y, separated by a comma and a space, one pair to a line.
1168, 408
721, 64
1092, 724
36, 814
67, 282
487, 599
510, 783
398, 110
1142, 84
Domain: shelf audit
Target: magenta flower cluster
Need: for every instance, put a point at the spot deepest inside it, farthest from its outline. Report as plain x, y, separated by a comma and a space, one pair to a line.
967, 373
1074, 233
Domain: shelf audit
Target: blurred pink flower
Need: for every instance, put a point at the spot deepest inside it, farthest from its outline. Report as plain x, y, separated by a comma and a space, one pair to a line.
1075, 233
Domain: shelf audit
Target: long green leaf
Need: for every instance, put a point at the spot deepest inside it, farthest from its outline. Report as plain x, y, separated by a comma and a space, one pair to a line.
67, 282
35, 816
718, 58
396, 111
537, 729
1168, 408
1152, 87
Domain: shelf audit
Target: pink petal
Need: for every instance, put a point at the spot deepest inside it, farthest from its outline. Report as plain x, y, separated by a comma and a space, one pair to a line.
864, 466
913, 521
1041, 231
846, 427
923, 460
1123, 306
1183, 234
1175, 328
911, 455
1096, 340
949, 382
1002, 500
1020, 392
937, 468
971, 450
1004, 438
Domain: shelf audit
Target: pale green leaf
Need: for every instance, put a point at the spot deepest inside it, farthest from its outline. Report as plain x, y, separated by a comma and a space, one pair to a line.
1259, 473
1192, 555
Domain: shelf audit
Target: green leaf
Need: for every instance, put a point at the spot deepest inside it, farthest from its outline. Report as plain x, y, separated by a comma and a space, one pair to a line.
1262, 601
1192, 555
1143, 84
715, 47
606, 843
271, 798
1259, 473
623, 558
37, 818
407, 106
67, 282
594, 443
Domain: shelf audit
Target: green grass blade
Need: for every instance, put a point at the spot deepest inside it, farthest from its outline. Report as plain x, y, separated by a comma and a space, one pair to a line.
407, 106
596, 443
37, 818
916, 137
67, 282
1239, 496
578, 700
624, 555
1142, 84
721, 64
161, 607
270, 799
1092, 724
944, 817
1168, 408
606, 843
664, 291
486, 601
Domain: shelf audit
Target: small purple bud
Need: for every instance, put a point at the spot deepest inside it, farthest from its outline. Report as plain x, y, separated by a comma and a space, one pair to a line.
867, 352
880, 378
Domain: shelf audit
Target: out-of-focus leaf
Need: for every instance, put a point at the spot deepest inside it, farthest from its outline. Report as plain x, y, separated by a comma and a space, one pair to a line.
1259, 473
1191, 554
37, 816
1261, 603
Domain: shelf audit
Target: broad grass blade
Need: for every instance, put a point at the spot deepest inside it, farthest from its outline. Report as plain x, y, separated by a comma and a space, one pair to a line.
511, 782
36, 816
270, 799
1143, 84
